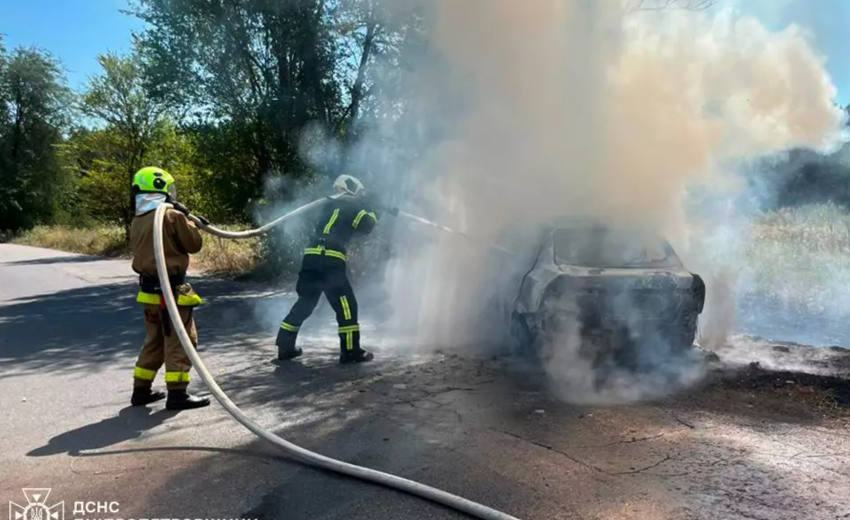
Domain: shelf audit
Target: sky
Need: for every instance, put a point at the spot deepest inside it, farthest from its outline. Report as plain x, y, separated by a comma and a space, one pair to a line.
78, 30
75, 31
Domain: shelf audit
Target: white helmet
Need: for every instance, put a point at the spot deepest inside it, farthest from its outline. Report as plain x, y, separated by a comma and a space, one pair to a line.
348, 184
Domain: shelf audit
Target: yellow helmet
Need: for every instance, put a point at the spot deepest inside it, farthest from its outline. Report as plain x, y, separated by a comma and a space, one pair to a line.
154, 180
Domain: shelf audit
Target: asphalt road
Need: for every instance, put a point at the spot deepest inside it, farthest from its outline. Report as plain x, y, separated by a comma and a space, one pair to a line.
481, 428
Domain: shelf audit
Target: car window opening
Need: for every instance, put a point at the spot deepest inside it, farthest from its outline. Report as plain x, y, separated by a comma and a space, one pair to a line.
606, 248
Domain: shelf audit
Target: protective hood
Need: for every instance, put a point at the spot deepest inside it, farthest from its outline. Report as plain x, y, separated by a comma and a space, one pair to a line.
146, 202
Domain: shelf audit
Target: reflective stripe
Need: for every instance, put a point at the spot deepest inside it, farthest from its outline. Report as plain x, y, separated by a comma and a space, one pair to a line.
287, 326
330, 223
349, 331
144, 374
148, 298
346, 310
322, 250
177, 377
182, 299
193, 300
360, 216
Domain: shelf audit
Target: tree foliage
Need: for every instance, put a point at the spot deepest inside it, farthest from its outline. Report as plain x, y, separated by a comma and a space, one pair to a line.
258, 69
225, 94
135, 120
34, 101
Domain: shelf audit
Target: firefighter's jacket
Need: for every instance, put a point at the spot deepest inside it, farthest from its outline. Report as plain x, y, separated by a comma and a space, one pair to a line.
339, 221
180, 238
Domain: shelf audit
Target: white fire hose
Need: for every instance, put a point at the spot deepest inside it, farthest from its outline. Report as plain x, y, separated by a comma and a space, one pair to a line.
262, 230
455, 502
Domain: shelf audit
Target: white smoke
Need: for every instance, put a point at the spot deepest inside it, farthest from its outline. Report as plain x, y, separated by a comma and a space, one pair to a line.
556, 107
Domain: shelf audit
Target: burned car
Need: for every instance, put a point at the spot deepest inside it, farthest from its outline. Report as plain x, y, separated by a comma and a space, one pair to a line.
616, 290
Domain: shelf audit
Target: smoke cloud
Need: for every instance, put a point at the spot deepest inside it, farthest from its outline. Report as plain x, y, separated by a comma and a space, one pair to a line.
522, 112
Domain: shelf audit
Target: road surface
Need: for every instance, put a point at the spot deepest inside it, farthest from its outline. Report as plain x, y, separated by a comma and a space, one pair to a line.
739, 445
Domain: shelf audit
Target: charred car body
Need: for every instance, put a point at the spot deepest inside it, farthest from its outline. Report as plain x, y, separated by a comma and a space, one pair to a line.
619, 291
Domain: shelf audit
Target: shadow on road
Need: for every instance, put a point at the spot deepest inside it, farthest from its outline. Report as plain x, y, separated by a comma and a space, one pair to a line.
80, 329
68, 259
129, 424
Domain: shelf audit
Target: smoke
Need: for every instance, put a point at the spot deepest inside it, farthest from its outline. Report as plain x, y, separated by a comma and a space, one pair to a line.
521, 112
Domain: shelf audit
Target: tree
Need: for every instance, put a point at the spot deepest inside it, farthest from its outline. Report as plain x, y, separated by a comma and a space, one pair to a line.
97, 157
259, 71
34, 102
372, 39
118, 98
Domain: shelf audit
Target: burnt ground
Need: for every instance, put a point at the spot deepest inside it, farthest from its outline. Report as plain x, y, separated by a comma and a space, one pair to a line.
747, 442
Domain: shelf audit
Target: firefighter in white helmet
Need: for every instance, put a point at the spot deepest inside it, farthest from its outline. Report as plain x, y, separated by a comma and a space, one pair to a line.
323, 270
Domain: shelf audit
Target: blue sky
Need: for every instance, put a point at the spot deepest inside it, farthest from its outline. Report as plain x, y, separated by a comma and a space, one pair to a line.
78, 30
75, 31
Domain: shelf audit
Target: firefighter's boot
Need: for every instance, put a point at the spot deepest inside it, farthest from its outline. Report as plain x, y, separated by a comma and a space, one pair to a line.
286, 345
144, 395
349, 346
357, 356
183, 400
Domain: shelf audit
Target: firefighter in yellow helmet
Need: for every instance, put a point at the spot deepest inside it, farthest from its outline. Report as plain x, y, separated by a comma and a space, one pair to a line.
181, 238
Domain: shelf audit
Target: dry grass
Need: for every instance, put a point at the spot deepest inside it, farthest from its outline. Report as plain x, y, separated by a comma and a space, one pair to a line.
222, 257
801, 256
104, 241
218, 257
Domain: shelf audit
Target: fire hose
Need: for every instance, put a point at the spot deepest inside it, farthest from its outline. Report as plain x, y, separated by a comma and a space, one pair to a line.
386, 479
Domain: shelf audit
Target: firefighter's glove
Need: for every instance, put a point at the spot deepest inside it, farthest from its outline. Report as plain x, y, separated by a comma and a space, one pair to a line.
202, 220
392, 211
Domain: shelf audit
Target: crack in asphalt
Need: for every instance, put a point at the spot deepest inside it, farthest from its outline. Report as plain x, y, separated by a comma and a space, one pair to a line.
630, 441
682, 421
581, 462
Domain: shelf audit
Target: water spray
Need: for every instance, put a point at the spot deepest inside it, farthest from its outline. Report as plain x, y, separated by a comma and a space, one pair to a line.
449, 230
441, 497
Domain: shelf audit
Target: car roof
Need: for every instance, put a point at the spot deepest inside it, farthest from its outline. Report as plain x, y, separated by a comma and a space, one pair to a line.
585, 222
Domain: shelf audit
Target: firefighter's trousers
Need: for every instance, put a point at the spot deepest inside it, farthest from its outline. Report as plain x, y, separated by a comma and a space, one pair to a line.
332, 280
162, 346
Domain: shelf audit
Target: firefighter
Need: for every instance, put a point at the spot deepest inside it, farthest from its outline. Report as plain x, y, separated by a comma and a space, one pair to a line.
323, 270
180, 237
